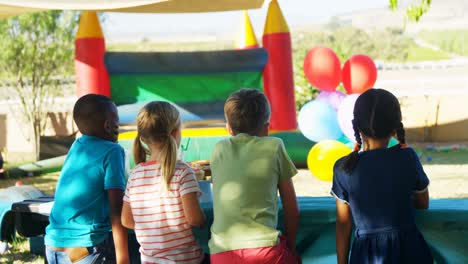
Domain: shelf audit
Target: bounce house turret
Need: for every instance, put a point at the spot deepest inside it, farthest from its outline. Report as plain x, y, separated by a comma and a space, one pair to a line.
90, 70
246, 38
278, 74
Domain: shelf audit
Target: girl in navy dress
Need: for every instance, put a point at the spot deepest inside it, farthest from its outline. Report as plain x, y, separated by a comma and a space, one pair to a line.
379, 188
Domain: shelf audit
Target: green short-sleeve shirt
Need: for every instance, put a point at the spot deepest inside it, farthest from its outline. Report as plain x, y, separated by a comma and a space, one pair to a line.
246, 171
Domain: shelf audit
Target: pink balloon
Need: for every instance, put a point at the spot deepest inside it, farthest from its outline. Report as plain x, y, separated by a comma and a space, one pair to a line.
345, 116
332, 98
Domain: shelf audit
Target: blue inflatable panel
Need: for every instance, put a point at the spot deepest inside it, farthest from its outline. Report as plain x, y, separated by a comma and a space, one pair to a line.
196, 62
128, 113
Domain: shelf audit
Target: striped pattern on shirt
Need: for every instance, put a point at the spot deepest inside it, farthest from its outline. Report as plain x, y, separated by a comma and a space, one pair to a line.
164, 235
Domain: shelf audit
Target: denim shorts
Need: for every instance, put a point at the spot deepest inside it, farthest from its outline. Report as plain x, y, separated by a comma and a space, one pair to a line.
102, 253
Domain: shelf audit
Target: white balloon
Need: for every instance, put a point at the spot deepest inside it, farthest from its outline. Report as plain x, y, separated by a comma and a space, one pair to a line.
345, 116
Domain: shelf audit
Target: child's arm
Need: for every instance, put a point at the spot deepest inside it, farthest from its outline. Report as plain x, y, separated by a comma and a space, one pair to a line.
192, 210
127, 216
119, 232
421, 186
344, 226
291, 212
421, 200
189, 191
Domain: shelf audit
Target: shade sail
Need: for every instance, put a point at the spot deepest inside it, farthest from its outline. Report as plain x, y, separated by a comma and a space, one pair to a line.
11, 8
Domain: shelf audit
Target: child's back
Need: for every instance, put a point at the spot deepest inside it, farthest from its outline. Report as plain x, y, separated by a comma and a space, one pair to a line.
80, 216
379, 187
246, 171
160, 201
160, 223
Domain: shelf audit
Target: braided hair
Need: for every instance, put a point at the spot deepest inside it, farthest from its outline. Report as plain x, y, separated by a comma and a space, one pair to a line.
377, 114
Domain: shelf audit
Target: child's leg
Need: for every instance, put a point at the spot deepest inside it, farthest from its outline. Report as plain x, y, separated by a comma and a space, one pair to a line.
206, 259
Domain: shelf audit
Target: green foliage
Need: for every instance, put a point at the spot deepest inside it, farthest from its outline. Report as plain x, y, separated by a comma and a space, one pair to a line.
414, 12
37, 44
36, 48
453, 41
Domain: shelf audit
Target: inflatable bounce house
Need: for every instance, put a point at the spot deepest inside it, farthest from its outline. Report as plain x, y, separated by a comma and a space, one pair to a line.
198, 83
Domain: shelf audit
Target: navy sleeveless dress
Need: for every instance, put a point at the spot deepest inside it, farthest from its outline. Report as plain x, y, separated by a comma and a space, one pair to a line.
379, 193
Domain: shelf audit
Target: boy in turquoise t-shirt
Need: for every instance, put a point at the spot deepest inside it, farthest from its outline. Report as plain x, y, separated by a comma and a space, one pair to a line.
248, 170
88, 198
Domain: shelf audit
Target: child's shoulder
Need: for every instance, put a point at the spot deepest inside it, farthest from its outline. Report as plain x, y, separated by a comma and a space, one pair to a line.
260, 140
96, 142
182, 169
181, 165
392, 154
273, 143
145, 166
250, 144
272, 140
407, 152
110, 144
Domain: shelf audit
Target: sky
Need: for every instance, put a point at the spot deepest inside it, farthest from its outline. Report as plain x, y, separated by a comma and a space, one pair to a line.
127, 27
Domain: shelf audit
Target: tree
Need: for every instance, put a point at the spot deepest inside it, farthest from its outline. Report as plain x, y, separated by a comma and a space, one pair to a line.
35, 49
414, 12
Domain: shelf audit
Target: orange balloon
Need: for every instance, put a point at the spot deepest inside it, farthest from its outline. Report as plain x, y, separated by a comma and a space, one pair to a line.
359, 74
322, 68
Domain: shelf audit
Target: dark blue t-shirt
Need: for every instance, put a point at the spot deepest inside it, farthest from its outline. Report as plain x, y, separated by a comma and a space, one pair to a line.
380, 188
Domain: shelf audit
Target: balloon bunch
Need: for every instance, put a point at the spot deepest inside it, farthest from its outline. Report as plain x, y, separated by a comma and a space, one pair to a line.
328, 119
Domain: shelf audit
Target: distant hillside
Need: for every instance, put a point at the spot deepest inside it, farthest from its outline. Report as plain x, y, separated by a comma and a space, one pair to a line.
444, 14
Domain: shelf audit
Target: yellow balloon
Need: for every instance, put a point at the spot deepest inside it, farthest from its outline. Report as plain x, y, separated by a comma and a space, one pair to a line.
322, 158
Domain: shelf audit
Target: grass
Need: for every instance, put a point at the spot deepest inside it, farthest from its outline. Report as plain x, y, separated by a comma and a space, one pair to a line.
46, 183
452, 157
19, 253
417, 53
454, 41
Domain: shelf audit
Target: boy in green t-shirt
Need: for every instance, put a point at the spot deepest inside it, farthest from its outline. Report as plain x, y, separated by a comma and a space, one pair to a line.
248, 170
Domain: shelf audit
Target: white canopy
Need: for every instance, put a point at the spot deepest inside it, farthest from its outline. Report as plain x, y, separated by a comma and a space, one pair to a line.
12, 8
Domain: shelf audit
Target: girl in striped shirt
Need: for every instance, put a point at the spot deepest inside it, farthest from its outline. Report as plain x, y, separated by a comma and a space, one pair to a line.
160, 201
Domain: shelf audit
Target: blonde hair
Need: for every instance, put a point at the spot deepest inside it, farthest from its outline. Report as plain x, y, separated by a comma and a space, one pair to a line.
156, 122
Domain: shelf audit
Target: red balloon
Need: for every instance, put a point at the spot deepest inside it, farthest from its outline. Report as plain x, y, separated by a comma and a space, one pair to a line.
359, 74
322, 68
